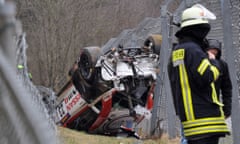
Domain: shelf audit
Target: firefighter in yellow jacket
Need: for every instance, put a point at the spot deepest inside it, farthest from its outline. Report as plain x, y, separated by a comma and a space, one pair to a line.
192, 76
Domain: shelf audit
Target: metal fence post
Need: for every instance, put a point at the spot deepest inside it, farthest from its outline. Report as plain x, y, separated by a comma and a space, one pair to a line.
163, 81
228, 43
166, 44
21, 120
7, 23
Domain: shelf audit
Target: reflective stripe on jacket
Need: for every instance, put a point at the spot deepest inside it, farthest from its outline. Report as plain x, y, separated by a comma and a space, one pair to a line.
192, 78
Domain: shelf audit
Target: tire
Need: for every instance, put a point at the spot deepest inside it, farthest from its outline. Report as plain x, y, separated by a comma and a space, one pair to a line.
156, 40
83, 87
87, 61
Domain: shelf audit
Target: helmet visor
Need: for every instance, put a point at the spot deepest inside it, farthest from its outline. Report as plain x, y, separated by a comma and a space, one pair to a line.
206, 14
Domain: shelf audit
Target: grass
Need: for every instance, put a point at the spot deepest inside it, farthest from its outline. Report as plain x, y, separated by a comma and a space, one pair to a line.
68, 136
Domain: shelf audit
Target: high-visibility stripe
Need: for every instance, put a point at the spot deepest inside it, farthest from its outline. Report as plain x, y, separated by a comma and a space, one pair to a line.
203, 121
178, 55
206, 129
215, 99
215, 72
186, 93
20, 66
203, 66
214, 95
178, 59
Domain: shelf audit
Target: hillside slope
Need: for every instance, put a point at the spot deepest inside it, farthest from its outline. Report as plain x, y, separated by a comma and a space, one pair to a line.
68, 136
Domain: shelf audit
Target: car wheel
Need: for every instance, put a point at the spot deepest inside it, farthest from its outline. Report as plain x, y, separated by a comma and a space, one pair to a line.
156, 41
87, 61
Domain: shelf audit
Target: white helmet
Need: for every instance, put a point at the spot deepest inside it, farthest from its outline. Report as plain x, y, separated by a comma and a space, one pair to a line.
197, 14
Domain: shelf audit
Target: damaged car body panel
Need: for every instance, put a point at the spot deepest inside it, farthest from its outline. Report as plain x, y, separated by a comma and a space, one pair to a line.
110, 92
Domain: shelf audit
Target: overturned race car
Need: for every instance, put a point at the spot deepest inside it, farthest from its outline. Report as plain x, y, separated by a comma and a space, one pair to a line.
111, 92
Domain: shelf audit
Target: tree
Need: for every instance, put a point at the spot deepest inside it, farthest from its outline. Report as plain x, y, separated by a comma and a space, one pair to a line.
57, 29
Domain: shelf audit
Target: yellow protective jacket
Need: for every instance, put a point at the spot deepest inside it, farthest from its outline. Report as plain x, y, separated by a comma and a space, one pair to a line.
192, 78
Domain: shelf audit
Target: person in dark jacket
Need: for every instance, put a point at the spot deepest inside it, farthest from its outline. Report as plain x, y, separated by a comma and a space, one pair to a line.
192, 76
223, 85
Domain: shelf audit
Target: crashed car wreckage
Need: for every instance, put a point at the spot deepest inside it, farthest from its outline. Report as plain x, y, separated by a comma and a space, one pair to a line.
110, 93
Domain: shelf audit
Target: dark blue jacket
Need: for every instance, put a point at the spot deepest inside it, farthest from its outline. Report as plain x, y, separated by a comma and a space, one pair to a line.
223, 84
192, 78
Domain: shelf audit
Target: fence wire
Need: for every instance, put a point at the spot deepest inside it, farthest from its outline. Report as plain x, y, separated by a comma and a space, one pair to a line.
23, 119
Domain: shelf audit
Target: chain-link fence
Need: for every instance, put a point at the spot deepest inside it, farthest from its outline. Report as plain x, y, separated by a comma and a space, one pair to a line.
227, 11
226, 29
20, 120
23, 118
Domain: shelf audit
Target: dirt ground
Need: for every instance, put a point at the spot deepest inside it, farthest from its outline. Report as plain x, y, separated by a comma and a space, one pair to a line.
68, 136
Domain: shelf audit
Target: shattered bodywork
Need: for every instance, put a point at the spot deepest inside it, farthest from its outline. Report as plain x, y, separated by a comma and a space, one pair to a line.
111, 92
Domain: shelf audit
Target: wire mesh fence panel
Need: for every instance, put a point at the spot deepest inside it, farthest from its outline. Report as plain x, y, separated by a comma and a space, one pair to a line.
23, 119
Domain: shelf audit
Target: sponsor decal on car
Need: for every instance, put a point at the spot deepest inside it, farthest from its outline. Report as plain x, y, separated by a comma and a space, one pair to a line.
72, 103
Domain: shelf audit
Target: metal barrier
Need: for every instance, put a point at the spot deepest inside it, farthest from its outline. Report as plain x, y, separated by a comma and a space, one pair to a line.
163, 117
24, 120
21, 119
228, 44
224, 32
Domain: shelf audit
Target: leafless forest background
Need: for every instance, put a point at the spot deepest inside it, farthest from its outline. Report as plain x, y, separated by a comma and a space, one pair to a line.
57, 29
